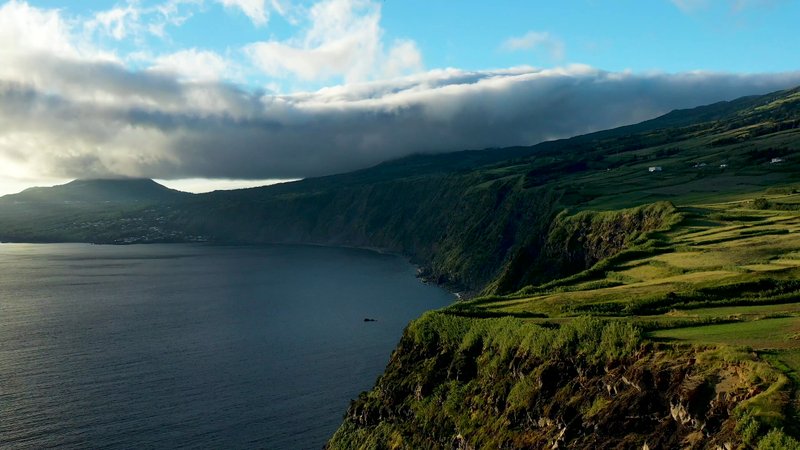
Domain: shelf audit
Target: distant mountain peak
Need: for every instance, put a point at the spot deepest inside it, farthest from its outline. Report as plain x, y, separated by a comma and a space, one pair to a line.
122, 180
100, 190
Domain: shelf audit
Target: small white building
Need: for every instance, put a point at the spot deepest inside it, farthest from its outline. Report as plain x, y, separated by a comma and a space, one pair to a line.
654, 169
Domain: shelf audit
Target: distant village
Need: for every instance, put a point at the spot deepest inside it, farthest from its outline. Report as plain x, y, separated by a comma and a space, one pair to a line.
141, 230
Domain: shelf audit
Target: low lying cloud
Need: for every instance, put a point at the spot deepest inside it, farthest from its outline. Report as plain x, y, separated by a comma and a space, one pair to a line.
148, 124
69, 110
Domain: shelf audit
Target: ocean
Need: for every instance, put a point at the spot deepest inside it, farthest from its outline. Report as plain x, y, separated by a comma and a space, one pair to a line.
194, 346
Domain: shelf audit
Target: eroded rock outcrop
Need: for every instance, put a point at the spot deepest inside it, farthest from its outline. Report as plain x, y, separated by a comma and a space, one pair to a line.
462, 388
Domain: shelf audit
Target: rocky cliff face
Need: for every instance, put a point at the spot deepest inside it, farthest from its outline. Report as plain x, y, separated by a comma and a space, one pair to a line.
465, 233
496, 383
460, 228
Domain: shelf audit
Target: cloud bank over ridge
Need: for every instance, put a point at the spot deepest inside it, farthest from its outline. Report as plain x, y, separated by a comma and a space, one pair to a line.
70, 110
141, 124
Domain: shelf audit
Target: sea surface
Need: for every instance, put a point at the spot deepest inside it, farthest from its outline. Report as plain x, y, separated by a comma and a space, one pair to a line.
191, 346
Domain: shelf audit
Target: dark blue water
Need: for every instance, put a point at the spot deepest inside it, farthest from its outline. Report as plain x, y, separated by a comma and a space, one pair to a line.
179, 346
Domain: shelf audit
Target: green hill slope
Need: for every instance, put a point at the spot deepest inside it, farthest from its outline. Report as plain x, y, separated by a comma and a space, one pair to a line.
687, 338
468, 217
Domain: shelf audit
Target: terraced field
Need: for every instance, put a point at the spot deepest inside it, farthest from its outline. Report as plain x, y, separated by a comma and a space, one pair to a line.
726, 261
726, 276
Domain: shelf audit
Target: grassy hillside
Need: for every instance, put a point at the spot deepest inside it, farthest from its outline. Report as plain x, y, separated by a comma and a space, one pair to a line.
680, 331
687, 338
457, 382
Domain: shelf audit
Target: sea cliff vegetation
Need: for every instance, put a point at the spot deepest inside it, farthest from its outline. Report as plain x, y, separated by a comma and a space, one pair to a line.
686, 338
610, 306
458, 382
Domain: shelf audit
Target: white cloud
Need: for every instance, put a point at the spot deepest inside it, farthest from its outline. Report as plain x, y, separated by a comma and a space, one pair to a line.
171, 12
259, 10
256, 10
404, 56
146, 124
137, 21
535, 40
28, 33
343, 39
68, 110
24, 29
193, 65
116, 22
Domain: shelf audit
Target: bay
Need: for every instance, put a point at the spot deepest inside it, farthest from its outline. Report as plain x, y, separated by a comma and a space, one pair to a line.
193, 346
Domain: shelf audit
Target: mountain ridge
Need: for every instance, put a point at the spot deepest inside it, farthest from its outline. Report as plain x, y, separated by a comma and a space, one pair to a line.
92, 190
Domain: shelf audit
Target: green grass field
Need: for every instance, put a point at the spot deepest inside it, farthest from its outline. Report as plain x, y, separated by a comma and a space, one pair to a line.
761, 334
721, 261
727, 275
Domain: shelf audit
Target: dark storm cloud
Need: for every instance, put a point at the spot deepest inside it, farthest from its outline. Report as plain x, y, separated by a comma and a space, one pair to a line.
78, 119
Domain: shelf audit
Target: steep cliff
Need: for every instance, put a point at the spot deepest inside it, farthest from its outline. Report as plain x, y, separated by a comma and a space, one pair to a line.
455, 382
461, 228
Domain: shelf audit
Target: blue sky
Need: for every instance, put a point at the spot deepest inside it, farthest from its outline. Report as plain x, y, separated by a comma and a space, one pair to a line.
654, 35
612, 35
662, 35
296, 89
